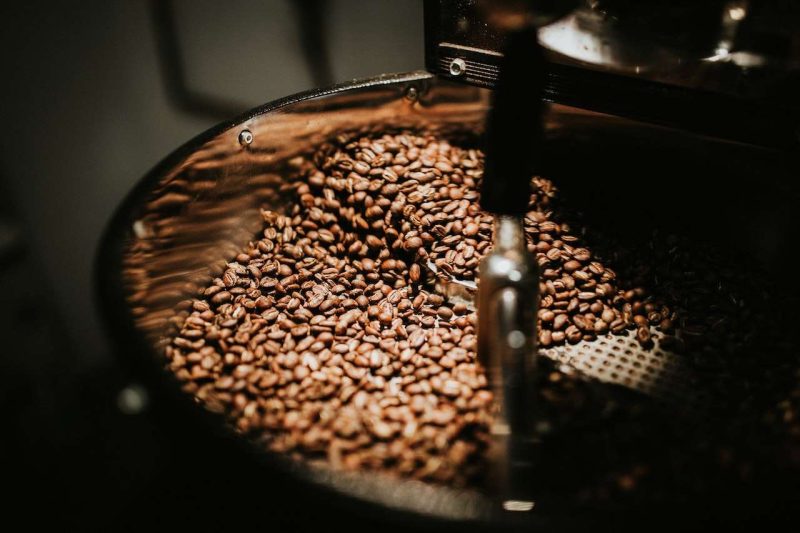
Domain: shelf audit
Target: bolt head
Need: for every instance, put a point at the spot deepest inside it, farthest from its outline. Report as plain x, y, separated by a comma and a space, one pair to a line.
245, 138
458, 67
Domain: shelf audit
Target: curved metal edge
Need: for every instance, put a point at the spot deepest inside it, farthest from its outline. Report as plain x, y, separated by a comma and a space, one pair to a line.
191, 145
121, 218
409, 499
106, 287
362, 494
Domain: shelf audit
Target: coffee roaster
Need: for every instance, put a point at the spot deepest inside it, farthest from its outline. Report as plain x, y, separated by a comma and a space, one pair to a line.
673, 119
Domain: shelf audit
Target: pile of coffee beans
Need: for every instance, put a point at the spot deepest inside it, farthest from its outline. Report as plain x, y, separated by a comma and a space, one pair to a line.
324, 340
417, 197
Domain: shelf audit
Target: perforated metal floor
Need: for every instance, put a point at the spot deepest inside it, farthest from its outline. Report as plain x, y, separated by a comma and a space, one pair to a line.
621, 360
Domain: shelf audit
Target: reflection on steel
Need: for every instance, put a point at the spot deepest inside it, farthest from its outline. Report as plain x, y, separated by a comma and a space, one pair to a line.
518, 505
507, 304
569, 38
205, 206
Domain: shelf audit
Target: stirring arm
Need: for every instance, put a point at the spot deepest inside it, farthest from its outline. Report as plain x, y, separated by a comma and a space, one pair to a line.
509, 281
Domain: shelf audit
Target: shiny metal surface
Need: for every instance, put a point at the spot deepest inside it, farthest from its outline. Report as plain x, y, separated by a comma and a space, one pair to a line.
201, 207
741, 48
507, 304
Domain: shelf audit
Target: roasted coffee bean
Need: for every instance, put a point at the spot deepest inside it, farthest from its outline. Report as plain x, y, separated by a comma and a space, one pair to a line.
412, 243
546, 315
560, 322
581, 254
471, 229
221, 297
414, 272
445, 313
325, 338
643, 335
573, 334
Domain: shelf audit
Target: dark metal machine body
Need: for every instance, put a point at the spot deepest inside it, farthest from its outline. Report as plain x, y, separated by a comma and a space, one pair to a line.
726, 68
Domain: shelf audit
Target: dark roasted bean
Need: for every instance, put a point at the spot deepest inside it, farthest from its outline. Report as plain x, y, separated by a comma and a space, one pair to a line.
643, 335
221, 297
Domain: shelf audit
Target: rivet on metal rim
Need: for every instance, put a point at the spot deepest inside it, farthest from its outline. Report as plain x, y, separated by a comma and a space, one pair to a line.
412, 93
141, 230
458, 67
245, 138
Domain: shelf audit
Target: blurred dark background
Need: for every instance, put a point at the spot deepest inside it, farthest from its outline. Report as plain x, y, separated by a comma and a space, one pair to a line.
94, 94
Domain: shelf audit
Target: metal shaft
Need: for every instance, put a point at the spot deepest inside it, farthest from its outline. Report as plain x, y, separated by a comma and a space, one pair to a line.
507, 308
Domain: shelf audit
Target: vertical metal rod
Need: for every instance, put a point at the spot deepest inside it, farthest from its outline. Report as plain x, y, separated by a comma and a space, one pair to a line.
507, 309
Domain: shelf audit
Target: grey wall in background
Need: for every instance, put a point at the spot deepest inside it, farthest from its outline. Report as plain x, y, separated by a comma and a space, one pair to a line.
85, 114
